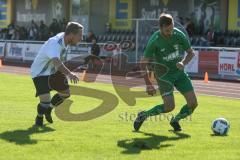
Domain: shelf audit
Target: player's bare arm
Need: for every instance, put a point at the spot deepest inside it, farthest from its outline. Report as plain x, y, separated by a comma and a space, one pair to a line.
62, 68
149, 86
186, 59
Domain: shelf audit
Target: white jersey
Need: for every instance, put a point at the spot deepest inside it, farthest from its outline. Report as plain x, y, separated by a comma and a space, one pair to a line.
54, 47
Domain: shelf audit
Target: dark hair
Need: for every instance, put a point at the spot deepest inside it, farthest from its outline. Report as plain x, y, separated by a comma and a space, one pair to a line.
73, 27
165, 20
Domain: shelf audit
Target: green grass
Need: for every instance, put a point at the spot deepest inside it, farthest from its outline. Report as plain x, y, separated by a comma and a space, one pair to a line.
110, 136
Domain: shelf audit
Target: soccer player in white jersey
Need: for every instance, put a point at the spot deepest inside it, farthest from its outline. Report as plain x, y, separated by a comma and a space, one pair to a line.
49, 73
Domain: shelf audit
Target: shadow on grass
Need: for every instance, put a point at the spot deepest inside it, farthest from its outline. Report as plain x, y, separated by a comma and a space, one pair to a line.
23, 137
218, 135
136, 145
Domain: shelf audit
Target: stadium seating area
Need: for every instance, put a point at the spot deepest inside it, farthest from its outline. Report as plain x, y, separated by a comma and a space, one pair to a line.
117, 36
220, 38
43, 32
120, 35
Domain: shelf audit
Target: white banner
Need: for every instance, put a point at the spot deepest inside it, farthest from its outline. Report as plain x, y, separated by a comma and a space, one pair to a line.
76, 57
227, 63
192, 66
31, 51
15, 50
76, 53
2, 47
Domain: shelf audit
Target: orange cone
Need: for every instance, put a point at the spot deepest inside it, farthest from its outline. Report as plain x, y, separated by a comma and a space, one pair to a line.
84, 76
206, 77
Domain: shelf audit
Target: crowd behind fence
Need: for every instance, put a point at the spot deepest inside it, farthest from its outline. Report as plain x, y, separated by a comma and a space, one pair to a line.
41, 32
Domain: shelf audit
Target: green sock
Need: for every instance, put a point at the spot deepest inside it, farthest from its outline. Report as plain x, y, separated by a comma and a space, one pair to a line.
184, 112
155, 110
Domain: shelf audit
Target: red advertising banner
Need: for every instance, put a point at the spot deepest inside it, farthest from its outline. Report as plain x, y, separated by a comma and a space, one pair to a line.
208, 62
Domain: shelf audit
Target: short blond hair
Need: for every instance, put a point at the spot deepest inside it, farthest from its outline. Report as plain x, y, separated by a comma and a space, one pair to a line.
73, 27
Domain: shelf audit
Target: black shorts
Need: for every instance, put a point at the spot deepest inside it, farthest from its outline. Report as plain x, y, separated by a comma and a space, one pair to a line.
44, 84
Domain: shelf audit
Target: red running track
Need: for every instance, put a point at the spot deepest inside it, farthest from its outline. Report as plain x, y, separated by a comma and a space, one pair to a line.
213, 88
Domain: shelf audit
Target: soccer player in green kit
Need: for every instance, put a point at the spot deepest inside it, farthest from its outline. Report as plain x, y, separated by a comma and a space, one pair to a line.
164, 48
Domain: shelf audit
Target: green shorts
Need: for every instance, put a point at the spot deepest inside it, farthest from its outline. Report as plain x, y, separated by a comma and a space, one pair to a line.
180, 80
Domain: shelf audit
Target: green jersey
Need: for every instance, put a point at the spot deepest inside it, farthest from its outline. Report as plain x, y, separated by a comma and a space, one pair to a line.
167, 51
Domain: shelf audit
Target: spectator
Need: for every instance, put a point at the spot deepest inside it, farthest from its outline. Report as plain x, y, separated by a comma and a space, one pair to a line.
63, 24
43, 32
190, 27
33, 31
90, 37
95, 50
210, 34
94, 57
4, 34
22, 33
1, 34
16, 34
10, 28
54, 27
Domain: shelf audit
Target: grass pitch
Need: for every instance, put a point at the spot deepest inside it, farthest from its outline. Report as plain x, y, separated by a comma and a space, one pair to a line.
111, 135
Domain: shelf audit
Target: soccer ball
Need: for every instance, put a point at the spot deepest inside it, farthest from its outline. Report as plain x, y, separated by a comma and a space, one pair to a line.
220, 126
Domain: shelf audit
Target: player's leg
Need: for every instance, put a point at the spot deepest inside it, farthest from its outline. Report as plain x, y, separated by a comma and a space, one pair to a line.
56, 100
59, 97
191, 99
166, 90
43, 107
58, 82
43, 92
188, 108
167, 106
184, 85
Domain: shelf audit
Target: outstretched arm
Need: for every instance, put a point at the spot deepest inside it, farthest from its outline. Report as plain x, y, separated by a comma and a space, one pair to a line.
62, 68
186, 59
144, 72
189, 56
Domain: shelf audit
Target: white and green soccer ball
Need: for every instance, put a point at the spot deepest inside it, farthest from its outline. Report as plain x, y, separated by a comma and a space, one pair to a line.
220, 126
